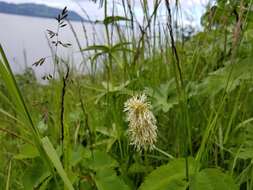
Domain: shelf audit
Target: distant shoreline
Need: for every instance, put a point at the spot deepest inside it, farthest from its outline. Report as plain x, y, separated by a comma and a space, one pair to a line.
43, 17
37, 10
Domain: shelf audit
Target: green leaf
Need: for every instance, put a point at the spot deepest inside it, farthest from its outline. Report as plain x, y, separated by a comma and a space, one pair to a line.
212, 179
113, 19
139, 168
17, 99
103, 165
108, 49
106, 179
102, 48
85, 185
79, 154
245, 139
52, 154
168, 177
16, 96
7, 186
27, 151
112, 133
164, 96
44, 185
228, 77
101, 160
5, 113
34, 177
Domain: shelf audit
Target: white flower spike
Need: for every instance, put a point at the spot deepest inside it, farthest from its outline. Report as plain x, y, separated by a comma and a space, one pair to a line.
142, 130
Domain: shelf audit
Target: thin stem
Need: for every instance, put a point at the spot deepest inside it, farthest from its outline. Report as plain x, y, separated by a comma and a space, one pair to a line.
7, 187
164, 153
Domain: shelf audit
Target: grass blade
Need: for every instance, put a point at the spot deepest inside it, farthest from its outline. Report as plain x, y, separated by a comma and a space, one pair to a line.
52, 154
7, 187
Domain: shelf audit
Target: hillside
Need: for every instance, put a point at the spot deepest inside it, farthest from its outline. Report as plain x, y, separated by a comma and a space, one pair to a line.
35, 10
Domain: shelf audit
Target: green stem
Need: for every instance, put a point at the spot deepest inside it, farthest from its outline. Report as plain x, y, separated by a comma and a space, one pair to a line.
164, 153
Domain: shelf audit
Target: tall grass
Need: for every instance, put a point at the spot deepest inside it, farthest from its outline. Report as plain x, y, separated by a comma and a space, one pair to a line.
200, 87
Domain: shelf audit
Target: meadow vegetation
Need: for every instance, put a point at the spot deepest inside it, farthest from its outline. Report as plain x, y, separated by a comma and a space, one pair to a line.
73, 131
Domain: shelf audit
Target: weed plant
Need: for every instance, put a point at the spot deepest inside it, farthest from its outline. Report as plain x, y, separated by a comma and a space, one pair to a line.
73, 132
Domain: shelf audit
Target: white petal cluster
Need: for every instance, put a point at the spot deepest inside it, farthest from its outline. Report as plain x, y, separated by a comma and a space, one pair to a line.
142, 130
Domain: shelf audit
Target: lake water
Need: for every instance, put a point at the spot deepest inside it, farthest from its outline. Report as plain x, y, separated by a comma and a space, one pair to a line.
24, 41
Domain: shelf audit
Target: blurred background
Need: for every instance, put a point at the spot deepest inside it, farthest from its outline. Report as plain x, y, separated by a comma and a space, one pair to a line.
24, 25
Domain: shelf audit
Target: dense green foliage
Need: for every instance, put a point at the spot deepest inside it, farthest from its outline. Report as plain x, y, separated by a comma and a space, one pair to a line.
200, 88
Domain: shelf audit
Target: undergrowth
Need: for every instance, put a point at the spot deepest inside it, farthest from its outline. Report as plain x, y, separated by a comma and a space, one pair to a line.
72, 132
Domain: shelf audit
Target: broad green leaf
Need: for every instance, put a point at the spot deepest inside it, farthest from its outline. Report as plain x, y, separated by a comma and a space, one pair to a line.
228, 77
103, 164
169, 177
212, 179
101, 160
106, 179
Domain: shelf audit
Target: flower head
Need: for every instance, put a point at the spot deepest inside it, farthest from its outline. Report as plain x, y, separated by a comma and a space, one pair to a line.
142, 123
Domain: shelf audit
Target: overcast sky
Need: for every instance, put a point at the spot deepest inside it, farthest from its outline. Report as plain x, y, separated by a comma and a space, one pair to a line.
194, 8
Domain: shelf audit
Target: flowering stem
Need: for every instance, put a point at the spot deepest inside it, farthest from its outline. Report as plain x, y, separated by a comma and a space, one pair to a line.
164, 153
